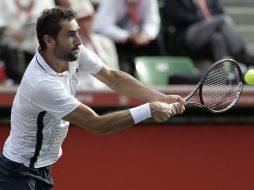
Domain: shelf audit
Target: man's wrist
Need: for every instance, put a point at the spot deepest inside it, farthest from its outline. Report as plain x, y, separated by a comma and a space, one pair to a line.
141, 113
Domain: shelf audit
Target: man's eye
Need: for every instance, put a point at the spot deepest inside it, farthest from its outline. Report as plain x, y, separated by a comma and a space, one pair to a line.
71, 34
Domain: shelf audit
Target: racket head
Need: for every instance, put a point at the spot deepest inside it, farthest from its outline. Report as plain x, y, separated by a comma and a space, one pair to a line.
220, 87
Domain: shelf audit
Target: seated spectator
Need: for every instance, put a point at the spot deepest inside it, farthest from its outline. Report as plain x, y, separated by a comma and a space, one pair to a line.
133, 25
63, 3
103, 46
20, 29
202, 26
9, 71
95, 3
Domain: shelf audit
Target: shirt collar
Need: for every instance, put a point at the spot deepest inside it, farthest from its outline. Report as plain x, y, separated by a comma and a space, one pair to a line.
43, 64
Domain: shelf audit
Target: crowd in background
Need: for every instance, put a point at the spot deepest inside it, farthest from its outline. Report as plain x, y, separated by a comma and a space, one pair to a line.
120, 30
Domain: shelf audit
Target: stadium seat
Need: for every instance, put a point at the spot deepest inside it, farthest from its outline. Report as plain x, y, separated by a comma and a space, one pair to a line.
156, 70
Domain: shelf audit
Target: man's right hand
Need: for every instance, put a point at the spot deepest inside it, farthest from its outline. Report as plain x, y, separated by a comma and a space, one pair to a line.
162, 111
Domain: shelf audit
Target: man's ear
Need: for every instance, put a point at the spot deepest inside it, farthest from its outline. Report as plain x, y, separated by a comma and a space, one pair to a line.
49, 40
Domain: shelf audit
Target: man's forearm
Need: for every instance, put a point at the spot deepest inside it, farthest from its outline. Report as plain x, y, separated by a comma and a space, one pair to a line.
128, 85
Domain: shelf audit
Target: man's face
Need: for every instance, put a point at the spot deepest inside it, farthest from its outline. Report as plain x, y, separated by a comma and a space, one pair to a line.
67, 42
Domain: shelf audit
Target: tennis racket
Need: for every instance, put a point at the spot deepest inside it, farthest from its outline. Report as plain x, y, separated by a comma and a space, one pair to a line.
219, 88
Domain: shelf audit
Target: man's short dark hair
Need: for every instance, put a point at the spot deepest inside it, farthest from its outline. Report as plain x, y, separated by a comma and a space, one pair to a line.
49, 23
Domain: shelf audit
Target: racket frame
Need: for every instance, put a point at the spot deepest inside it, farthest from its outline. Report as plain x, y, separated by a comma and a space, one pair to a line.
199, 85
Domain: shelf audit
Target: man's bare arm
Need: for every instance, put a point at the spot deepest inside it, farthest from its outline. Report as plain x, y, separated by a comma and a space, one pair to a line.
126, 84
86, 118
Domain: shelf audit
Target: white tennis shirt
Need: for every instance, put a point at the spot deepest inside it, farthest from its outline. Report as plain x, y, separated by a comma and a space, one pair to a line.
42, 99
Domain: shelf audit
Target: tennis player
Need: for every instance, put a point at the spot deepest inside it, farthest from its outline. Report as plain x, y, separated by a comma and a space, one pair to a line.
45, 104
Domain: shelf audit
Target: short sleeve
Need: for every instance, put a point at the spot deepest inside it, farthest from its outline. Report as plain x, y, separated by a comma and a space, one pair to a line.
52, 96
89, 61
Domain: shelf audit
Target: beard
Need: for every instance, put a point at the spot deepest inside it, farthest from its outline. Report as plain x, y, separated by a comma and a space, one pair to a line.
67, 55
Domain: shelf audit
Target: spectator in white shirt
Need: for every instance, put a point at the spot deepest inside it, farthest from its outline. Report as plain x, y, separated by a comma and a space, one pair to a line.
134, 26
20, 29
102, 45
9, 73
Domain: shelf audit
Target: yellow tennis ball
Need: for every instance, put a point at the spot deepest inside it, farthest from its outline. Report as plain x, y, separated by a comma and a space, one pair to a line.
249, 77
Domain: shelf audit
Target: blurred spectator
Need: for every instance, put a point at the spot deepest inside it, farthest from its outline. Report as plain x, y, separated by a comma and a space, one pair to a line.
2, 23
96, 3
103, 46
9, 72
203, 25
63, 3
20, 33
2, 69
134, 26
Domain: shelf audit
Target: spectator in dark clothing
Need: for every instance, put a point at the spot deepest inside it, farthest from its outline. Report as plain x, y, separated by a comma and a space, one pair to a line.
9, 58
203, 28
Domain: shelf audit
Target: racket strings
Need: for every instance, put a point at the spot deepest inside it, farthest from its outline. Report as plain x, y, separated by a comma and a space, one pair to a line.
221, 86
